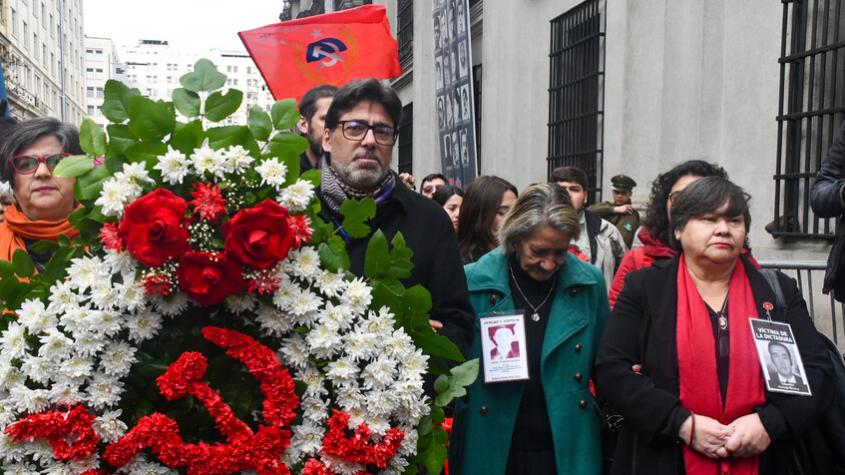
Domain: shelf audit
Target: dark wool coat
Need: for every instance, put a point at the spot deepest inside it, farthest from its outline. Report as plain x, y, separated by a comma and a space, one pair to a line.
642, 329
437, 263
827, 202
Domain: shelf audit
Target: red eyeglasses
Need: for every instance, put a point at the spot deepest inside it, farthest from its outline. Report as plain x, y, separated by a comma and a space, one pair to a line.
26, 164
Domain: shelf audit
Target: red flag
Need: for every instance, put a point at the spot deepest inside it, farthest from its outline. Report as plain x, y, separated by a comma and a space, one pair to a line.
333, 48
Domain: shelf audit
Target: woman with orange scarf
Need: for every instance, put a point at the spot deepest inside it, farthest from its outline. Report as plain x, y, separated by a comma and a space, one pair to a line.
43, 201
700, 405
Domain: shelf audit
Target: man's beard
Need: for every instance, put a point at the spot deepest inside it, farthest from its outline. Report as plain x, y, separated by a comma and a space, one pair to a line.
360, 178
315, 144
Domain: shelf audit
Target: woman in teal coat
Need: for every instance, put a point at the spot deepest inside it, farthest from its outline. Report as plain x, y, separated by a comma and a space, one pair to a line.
548, 423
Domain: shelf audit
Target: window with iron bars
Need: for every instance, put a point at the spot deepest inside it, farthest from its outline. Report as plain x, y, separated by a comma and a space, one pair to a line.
576, 91
405, 32
810, 111
406, 140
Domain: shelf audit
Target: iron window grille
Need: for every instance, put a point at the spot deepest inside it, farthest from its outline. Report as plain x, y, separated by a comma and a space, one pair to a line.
576, 91
406, 140
810, 111
405, 32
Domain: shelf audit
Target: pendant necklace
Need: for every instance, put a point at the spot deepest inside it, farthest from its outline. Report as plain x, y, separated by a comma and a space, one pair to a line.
723, 320
535, 316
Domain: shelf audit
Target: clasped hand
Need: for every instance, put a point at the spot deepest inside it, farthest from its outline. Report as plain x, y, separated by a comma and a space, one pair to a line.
744, 437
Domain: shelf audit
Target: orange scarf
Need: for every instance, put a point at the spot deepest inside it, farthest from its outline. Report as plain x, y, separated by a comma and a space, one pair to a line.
16, 227
699, 379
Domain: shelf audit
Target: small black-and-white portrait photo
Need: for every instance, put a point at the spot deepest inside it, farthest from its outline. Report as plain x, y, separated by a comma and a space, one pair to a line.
456, 153
464, 148
465, 104
463, 60
459, 15
438, 72
441, 113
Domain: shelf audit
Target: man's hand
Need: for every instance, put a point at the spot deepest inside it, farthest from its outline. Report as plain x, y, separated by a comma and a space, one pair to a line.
710, 436
407, 179
435, 324
749, 437
624, 209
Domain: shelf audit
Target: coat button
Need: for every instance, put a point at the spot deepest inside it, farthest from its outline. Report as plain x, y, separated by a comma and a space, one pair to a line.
582, 403
578, 348
483, 410
578, 377
493, 298
573, 291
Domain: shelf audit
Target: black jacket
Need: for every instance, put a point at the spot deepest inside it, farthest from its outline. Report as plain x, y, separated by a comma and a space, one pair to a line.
826, 201
437, 262
642, 329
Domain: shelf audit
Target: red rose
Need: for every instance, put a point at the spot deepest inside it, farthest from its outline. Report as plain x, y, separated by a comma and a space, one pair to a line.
154, 228
259, 237
208, 277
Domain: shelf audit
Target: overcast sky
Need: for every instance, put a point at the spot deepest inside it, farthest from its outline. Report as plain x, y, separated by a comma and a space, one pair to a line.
185, 23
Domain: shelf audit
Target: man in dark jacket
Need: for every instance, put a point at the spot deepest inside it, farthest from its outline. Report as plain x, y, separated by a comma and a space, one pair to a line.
312, 109
620, 212
828, 201
359, 136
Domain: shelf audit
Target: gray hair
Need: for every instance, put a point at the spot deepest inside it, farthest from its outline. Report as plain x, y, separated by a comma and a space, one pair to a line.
28, 132
540, 204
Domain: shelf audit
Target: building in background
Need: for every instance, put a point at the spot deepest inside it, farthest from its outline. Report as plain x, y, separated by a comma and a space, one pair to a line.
154, 67
101, 64
41, 46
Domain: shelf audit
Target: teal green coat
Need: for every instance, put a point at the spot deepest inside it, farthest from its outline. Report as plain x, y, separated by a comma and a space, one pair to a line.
484, 421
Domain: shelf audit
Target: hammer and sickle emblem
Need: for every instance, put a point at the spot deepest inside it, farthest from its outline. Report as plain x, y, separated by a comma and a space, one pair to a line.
326, 51
260, 451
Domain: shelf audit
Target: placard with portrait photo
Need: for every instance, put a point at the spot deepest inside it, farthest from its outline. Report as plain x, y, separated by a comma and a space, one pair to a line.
779, 357
503, 350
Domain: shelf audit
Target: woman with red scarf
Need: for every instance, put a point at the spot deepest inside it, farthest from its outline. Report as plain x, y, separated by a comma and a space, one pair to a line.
654, 235
43, 201
699, 405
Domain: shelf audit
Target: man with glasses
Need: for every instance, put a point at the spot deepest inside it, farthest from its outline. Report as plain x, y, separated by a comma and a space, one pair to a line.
358, 140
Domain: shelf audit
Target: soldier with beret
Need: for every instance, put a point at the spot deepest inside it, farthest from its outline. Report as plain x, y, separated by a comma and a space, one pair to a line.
620, 212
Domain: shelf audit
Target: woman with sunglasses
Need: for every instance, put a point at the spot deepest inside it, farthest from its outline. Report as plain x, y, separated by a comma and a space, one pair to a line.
43, 201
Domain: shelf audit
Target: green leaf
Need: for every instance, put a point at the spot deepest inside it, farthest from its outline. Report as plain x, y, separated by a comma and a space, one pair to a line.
426, 426
92, 137
436, 345
116, 100
146, 153
434, 458
401, 264
438, 415
355, 214
377, 256
284, 114
465, 373
151, 120
441, 384
222, 137
313, 176
219, 106
287, 143
88, 186
120, 138
44, 246
333, 255
188, 137
186, 102
259, 123
416, 300
74, 166
57, 267
204, 77
23, 263
7, 269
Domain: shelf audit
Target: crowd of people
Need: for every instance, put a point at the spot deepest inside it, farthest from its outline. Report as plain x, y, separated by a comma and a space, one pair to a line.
566, 305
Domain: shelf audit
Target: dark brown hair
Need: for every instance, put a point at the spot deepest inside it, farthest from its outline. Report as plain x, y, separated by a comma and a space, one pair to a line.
482, 199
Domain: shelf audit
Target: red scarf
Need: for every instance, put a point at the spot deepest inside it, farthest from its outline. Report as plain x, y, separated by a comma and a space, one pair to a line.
699, 380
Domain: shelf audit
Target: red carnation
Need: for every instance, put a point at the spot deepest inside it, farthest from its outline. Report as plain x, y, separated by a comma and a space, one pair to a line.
110, 238
208, 277
208, 201
158, 284
300, 226
155, 229
259, 237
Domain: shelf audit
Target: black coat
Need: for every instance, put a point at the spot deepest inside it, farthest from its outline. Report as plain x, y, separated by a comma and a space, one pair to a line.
642, 329
826, 201
437, 262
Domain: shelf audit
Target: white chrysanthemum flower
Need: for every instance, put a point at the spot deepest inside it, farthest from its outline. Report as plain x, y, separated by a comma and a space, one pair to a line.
205, 159
241, 303
130, 295
11, 451
338, 316
314, 381
283, 298
357, 296
62, 298
89, 344
103, 295
413, 360
408, 447
173, 305
143, 326
144, 467
104, 391
65, 394
29, 400
314, 409
379, 373
238, 158
342, 371
34, 316
307, 437
273, 172
109, 426
381, 323
86, 271
104, 322
55, 345
297, 196
399, 345
134, 173
272, 321
305, 264
9, 375
324, 341
331, 284
294, 351
116, 194
37, 368
361, 345
305, 303
22, 468
120, 262
341, 467
117, 359
173, 166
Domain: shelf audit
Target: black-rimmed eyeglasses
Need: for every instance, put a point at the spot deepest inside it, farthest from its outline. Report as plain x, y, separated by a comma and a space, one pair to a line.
357, 130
